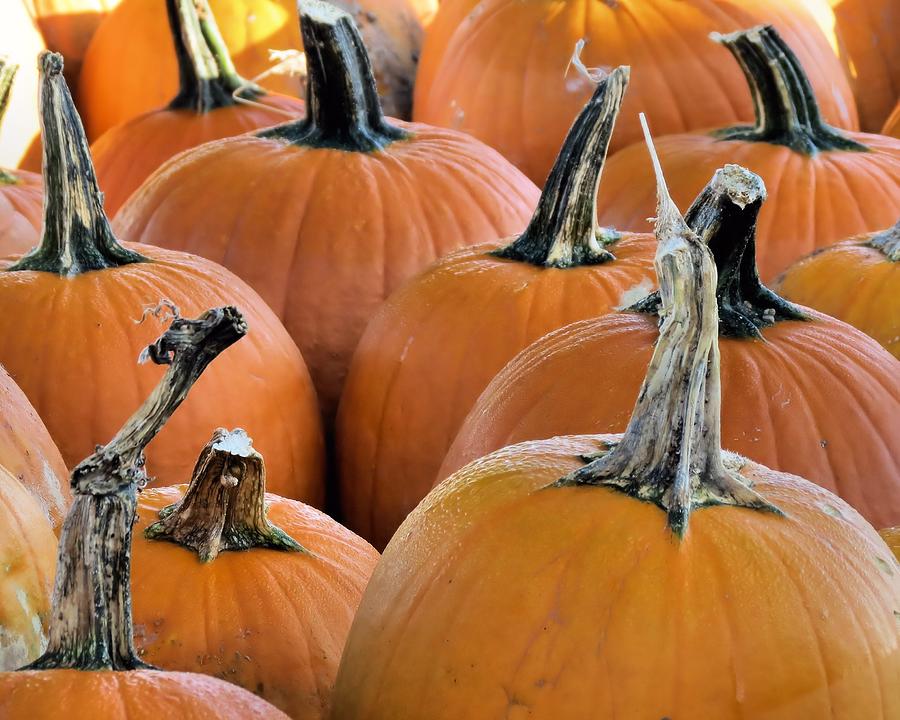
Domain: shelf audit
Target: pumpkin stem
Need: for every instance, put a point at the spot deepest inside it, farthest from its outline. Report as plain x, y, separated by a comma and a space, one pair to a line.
91, 625
77, 236
207, 74
888, 242
563, 231
786, 109
8, 72
724, 217
342, 104
671, 453
224, 507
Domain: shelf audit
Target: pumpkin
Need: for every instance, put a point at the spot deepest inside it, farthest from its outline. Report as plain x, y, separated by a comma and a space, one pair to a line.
108, 95
28, 453
291, 632
21, 194
68, 312
804, 393
90, 664
20, 44
892, 124
855, 281
892, 537
502, 75
69, 25
438, 341
824, 185
204, 109
449, 16
363, 203
27, 556
619, 575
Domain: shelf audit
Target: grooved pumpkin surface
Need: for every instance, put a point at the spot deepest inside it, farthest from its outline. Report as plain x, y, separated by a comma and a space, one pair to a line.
21, 213
500, 597
818, 399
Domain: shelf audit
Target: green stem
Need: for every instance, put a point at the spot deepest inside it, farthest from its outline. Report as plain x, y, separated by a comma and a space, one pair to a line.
671, 452
342, 104
563, 231
724, 217
888, 242
77, 237
224, 507
91, 623
8, 72
208, 78
786, 109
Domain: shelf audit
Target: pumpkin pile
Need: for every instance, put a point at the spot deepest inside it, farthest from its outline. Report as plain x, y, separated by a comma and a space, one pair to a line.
286, 285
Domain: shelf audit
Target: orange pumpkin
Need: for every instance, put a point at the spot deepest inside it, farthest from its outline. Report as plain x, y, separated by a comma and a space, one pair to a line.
824, 185
21, 193
205, 109
29, 454
892, 124
363, 203
108, 95
20, 44
892, 537
503, 74
90, 666
68, 26
27, 556
449, 16
68, 312
855, 281
619, 575
803, 393
437, 342
291, 633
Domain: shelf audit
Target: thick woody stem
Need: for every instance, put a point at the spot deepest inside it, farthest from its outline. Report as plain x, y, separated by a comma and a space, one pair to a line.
888, 242
671, 453
91, 625
77, 237
224, 507
786, 109
342, 104
563, 231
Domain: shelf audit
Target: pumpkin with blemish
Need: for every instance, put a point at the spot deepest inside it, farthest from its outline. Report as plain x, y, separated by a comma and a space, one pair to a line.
504, 75
204, 109
258, 590
70, 312
824, 185
855, 281
803, 393
326, 216
619, 575
437, 342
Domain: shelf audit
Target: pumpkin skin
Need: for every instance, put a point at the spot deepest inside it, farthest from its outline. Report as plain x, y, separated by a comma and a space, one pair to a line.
100, 309
809, 168
854, 282
21, 43
283, 642
892, 537
482, 86
204, 110
108, 96
133, 695
21, 211
28, 558
349, 225
810, 383
892, 124
438, 341
449, 16
572, 615
28, 453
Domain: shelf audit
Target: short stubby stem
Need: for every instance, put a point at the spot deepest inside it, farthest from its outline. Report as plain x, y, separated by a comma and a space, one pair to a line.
888, 242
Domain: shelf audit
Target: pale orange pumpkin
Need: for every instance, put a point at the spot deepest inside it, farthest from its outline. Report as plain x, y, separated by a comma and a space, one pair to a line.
803, 393
824, 185
621, 575
437, 342
362, 203
502, 75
